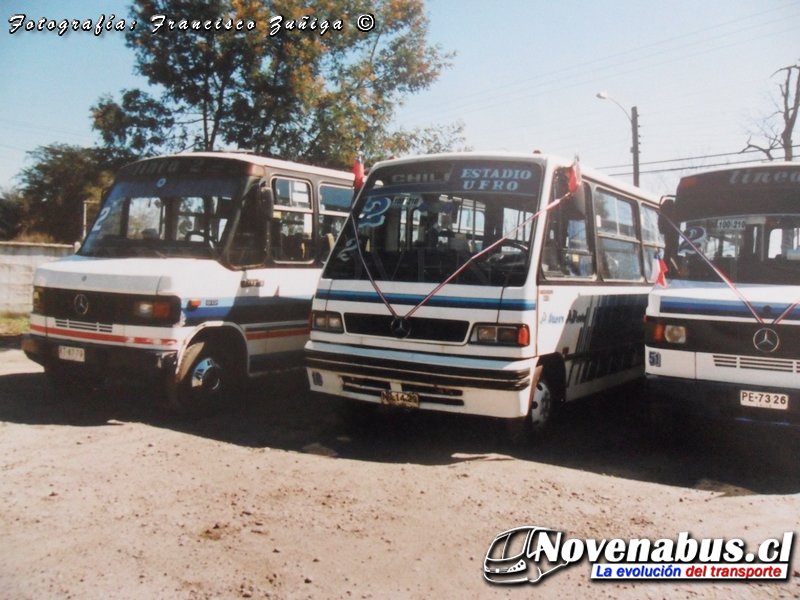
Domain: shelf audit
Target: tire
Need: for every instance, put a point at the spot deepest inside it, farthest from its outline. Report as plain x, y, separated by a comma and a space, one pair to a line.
538, 422
206, 380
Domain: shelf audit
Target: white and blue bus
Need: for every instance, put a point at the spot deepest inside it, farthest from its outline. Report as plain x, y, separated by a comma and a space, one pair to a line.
723, 338
480, 284
198, 270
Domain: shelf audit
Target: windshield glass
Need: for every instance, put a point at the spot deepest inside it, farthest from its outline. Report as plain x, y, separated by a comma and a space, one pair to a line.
746, 248
421, 222
165, 217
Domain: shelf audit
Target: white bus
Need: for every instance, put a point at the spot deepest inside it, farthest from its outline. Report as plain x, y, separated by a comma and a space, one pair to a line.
445, 290
198, 270
723, 338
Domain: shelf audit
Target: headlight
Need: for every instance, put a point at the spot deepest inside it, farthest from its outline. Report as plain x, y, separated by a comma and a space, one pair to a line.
675, 334
501, 335
327, 321
661, 332
152, 309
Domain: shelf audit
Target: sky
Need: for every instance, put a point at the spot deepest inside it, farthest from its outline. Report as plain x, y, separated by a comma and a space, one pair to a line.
525, 77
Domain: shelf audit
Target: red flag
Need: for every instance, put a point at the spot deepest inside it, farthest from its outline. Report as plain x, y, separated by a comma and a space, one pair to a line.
574, 175
358, 171
659, 270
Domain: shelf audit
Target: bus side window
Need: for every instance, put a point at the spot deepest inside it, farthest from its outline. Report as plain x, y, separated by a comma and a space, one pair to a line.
568, 249
292, 226
619, 247
334, 204
652, 239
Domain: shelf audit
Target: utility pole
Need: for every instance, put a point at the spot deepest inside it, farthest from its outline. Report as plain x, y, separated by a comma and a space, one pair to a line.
635, 146
634, 119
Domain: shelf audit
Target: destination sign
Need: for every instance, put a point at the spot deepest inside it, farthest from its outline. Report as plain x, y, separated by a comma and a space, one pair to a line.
188, 165
457, 176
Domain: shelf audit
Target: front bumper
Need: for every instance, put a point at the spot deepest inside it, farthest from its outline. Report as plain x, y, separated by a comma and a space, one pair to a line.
494, 388
720, 400
101, 359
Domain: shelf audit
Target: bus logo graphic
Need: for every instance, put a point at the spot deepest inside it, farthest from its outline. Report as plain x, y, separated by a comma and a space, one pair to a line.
81, 304
400, 328
766, 340
514, 555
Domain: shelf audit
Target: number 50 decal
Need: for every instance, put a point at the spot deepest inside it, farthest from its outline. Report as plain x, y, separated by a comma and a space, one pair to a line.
373, 213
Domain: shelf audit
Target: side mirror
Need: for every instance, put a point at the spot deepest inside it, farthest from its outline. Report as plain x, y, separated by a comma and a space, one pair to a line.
671, 236
266, 201
667, 209
575, 205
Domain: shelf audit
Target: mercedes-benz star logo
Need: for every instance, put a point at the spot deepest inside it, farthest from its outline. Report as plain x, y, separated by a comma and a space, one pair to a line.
400, 328
81, 304
766, 340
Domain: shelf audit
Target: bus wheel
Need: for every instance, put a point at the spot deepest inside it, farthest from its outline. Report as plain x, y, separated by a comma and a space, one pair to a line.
205, 380
537, 422
542, 406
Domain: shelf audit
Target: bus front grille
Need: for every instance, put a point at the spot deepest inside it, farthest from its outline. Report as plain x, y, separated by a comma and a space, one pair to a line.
434, 330
84, 326
756, 363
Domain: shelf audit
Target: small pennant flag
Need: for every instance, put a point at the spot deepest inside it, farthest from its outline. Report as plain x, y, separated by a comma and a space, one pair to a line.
358, 171
574, 175
659, 270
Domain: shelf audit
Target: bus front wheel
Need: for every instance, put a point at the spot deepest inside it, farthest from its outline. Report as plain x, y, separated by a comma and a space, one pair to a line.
543, 406
205, 380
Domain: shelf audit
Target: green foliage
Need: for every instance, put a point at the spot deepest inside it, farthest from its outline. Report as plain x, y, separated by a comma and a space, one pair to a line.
12, 214
61, 179
297, 95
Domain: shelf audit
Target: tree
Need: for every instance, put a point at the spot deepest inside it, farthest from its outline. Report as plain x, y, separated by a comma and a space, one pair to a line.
55, 188
12, 214
293, 92
778, 127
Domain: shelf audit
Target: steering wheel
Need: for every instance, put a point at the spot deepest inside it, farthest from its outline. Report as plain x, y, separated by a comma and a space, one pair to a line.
188, 235
495, 254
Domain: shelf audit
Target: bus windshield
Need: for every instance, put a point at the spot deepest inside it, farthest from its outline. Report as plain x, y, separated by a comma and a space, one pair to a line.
165, 217
747, 248
421, 223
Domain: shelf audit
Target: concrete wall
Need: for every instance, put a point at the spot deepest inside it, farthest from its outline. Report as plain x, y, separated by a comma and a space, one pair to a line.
18, 262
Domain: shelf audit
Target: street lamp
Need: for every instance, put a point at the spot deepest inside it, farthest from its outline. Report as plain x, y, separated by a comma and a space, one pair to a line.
634, 119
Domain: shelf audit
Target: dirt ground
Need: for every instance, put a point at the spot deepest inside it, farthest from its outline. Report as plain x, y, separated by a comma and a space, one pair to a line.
109, 497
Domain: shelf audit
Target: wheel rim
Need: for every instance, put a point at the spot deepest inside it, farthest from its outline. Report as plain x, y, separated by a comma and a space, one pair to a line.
207, 376
542, 404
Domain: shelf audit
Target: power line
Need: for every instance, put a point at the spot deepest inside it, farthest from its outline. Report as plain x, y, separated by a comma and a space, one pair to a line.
671, 160
695, 167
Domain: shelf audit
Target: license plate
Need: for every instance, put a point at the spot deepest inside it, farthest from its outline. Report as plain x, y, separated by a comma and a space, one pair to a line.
400, 399
70, 353
764, 400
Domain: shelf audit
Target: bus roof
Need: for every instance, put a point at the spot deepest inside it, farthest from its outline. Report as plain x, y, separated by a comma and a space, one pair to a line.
141, 166
764, 188
538, 158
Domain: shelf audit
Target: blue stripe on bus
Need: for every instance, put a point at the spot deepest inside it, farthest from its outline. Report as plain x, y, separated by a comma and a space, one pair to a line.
243, 309
726, 308
438, 301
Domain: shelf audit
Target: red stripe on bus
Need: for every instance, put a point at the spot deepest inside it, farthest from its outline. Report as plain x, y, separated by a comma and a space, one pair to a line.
260, 335
103, 337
